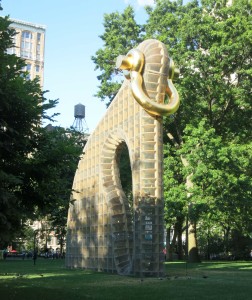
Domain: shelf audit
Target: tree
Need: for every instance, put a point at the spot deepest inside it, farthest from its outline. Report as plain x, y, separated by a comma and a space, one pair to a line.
176, 199
211, 43
121, 34
21, 108
207, 178
57, 160
48, 179
35, 163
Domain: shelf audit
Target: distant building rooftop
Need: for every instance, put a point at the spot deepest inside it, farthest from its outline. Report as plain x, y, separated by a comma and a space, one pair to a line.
15, 21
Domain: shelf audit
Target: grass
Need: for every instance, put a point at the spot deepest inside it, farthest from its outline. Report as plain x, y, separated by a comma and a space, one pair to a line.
49, 279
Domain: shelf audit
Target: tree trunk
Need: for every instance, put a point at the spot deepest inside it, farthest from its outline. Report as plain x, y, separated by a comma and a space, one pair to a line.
193, 255
226, 240
187, 238
61, 246
168, 244
179, 226
173, 243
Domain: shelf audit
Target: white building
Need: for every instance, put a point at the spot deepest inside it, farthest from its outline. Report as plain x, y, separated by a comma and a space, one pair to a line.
30, 45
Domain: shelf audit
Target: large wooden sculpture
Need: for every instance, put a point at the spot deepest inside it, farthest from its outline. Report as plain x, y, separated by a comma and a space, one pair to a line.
104, 232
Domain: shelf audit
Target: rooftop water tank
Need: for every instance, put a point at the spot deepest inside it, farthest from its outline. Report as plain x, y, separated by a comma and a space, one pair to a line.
79, 111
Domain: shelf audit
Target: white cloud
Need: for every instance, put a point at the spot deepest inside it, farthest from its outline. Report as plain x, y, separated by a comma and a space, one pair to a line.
139, 2
145, 2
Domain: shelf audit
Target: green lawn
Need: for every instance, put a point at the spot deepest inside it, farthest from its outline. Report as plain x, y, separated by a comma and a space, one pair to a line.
49, 279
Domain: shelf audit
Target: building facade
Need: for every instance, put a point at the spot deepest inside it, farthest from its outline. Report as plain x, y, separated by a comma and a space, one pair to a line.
45, 237
29, 44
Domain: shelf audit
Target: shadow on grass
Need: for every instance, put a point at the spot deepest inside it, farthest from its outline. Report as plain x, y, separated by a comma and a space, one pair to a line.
49, 279
222, 266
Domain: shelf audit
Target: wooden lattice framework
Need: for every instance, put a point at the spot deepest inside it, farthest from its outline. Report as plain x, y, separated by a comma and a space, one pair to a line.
103, 232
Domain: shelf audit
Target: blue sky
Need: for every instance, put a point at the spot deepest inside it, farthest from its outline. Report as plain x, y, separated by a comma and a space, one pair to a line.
72, 37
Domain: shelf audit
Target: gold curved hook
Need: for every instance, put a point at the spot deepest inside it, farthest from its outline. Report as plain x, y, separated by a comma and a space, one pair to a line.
134, 62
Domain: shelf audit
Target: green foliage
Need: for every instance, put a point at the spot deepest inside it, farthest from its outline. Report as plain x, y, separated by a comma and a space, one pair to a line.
208, 153
20, 112
211, 132
50, 169
36, 165
175, 190
121, 34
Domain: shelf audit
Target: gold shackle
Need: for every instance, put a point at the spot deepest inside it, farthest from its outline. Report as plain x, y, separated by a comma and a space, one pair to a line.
132, 65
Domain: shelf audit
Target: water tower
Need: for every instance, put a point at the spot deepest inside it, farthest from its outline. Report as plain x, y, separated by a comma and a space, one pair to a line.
79, 118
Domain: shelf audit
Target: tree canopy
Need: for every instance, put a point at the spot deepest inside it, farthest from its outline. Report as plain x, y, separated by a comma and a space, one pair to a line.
36, 165
121, 33
208, 151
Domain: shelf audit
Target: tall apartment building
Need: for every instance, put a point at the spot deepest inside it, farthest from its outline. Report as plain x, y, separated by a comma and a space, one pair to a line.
30, 45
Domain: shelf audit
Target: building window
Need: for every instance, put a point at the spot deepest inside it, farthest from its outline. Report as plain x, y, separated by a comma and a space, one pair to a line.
27, 69
11, 50
37, 68
26, 44
26, 49
38, 37
26, 35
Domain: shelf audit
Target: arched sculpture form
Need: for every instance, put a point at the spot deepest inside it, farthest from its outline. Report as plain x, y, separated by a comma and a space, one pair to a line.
104, 232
